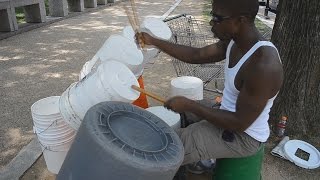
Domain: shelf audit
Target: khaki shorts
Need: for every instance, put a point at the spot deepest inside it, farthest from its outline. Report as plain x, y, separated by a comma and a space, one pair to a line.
202, 140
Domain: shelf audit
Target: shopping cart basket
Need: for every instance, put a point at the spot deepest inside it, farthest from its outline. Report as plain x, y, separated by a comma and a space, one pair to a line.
188, 31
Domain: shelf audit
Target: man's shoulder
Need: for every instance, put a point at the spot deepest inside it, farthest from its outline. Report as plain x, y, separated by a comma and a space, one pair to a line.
266, 57
265, 70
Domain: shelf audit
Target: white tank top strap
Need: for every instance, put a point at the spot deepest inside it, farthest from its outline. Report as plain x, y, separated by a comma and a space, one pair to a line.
268, 43
228, 51
252, 50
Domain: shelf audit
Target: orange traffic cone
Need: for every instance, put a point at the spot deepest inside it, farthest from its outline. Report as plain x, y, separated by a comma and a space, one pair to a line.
142, 100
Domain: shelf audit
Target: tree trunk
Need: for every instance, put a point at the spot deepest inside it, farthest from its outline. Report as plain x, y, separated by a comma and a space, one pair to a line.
297, 35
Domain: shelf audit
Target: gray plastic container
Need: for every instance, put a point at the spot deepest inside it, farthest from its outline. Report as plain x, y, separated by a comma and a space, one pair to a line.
119, 141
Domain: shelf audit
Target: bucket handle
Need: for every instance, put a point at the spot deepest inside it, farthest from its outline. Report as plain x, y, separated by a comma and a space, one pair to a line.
47, 148
35, 129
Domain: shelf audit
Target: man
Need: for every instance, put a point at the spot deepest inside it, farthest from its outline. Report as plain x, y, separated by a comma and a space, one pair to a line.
253, 77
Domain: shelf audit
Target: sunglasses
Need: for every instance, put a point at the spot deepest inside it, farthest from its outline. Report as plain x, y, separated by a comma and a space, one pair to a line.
218, 18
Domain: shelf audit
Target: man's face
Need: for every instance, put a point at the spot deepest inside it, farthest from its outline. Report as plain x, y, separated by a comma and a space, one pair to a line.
222, 23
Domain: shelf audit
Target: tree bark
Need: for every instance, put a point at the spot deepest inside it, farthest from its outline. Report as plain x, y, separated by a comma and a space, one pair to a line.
297, 36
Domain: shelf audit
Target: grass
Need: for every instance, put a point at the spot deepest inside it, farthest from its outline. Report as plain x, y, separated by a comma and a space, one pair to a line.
20, 14
206, 10
263, 29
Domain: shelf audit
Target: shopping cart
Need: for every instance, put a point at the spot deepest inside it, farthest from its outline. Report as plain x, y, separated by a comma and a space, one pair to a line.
188, 31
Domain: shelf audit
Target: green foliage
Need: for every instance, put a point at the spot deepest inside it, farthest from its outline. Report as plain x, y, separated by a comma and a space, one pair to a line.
263, 29
206, 10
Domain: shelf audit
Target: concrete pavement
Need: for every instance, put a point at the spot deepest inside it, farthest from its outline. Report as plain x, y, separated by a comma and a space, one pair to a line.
45, 61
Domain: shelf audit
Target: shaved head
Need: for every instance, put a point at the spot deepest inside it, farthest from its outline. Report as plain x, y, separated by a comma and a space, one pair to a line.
247, 8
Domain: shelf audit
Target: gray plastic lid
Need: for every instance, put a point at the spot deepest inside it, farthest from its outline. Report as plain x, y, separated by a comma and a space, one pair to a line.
138, 132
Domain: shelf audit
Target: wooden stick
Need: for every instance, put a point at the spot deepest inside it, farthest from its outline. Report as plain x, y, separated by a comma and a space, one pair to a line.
156, 97
135, 12
137, 21
131, 20
134, 21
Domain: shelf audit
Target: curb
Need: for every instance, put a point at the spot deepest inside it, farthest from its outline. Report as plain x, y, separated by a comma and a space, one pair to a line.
22, 162
31, 26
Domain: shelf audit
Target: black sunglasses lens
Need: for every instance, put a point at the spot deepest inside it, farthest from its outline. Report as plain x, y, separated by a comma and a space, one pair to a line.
216, 19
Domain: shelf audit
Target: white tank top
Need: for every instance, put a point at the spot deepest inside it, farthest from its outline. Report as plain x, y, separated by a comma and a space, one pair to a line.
259, 129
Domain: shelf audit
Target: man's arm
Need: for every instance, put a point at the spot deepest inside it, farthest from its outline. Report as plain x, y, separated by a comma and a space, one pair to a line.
209, 54
251, 101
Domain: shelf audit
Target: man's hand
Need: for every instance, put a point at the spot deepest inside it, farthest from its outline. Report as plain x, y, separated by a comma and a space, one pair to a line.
178, 104
144, 38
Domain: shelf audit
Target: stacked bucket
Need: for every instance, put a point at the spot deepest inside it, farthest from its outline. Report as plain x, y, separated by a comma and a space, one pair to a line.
108, 76
112, 81
54, 134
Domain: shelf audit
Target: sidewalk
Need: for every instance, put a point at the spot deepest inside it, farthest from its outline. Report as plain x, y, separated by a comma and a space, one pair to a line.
45, 61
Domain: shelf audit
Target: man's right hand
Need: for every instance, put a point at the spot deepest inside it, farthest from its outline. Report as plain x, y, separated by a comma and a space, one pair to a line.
144, 38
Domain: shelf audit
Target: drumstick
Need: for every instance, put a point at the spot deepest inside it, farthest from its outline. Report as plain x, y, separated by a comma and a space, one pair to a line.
156, 97
137, 21
131, 20
134, 10
134, 21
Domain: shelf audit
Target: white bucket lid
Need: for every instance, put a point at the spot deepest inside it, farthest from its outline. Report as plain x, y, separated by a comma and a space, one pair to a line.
157, 27
149, 52
128, 33
46, 107
187, 86
120, 79
290, 148
170, 117
121, 49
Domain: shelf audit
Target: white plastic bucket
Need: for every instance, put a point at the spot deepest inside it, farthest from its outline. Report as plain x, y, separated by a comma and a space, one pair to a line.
117, 48
89, 66
157, 28
54, 132
149, 53
187, 86
54, 155
55, 135
46, 114
49, 141
58, 123
53, 129
170, 117
46, 107
112, 81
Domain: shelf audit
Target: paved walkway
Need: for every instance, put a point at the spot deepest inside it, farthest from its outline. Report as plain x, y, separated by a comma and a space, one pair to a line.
45, 61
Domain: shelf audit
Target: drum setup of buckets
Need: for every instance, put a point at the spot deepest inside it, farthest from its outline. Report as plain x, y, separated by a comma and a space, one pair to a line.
108, 76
